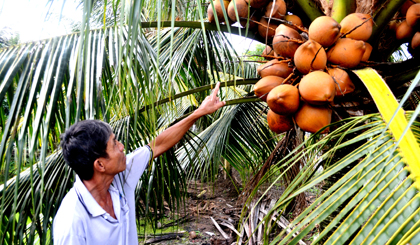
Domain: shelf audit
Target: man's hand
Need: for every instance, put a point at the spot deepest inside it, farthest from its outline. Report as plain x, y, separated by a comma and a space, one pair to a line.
172, 135
212, 103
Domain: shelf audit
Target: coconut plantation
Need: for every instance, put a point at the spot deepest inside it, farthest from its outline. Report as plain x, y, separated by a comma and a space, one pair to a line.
317, 140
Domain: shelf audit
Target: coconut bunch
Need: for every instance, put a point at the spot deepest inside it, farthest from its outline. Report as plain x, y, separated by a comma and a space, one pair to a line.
306, 67
263, 16
408, 30
308, 74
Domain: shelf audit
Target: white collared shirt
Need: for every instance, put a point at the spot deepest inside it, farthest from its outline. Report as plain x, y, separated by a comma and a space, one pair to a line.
81, 220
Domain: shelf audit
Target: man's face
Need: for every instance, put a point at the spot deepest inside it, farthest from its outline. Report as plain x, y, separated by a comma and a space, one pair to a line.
115, 163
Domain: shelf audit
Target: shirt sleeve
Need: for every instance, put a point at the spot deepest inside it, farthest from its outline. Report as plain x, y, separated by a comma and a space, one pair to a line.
137, 162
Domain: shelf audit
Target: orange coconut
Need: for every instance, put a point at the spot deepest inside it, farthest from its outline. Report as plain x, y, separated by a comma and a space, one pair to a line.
252, 24
359, 24
413, 16
294, 19
346, 52
279, 123
312, 118
268, 51
276, 10
265, 85
404, 31
219, 10
241, 7
274, 68
342, 81
368, 51
317, 88
283, 99
257, 3
324, 30
284, 42
265, 30
407, 5
415, 42
310, 56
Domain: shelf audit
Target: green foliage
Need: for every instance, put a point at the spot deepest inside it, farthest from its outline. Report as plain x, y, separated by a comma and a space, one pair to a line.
255, 53
141, 80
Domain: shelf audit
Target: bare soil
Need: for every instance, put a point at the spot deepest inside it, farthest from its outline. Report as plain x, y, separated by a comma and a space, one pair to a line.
204, 200
220, 201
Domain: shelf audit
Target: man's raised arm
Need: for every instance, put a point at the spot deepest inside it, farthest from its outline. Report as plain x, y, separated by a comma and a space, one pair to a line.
173, 134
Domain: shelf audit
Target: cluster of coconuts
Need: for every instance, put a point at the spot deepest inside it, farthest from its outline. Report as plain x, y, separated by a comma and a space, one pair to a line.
306, 76
408, 30
253, 16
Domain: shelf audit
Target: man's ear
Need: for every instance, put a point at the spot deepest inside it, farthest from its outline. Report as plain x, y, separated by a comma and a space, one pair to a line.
99, 165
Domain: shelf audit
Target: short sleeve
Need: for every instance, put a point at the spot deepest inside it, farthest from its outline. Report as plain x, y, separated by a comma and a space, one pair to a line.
137, 162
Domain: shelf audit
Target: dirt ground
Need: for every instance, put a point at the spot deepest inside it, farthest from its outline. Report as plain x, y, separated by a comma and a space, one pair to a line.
217, 200
205, 201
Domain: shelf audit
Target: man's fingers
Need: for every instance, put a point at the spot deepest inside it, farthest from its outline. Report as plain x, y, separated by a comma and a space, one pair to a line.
216, 90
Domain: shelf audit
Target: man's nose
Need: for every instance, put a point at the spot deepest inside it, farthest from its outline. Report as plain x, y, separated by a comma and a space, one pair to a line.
121, 146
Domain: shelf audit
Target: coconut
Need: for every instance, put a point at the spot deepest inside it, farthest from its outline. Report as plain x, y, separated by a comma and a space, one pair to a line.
310, 56
342, 81
241, 7
407, 5
274, 68
283, 99
404, 31
257, 3
284, 42
265, 30
276, 10
317, 88
312, 118
294, 19
368, 51
252, 24
219, 11
268, 51
265, 85
324, 30
413, 16
346, 52
361, 23
279, 123
415, 42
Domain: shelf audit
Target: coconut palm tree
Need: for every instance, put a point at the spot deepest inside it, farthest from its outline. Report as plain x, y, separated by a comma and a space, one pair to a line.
148, 64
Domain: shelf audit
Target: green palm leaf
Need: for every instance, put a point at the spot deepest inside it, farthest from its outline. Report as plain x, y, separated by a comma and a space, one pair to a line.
376, 200
50, 84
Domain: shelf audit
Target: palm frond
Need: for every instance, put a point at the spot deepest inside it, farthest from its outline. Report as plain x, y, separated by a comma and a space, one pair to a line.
115, 74
375, 200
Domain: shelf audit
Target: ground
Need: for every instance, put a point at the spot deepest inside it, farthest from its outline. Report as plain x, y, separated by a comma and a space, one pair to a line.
219, 200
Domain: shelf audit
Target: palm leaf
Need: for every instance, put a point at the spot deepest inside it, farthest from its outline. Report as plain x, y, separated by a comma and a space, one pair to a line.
375, 201
50, 84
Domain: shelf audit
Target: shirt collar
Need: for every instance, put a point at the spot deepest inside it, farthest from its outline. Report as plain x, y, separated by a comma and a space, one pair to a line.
87, 199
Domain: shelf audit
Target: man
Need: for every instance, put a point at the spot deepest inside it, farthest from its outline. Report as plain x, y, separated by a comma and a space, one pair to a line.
99, 209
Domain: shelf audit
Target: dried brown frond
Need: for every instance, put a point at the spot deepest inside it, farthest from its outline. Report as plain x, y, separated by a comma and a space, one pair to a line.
319, 4
370, 6
327, 6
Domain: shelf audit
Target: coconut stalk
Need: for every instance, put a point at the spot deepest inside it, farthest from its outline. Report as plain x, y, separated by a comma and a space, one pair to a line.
341, 8
311, 8
382, 16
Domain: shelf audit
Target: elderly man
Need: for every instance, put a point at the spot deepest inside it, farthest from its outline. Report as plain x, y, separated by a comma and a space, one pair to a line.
99, 209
